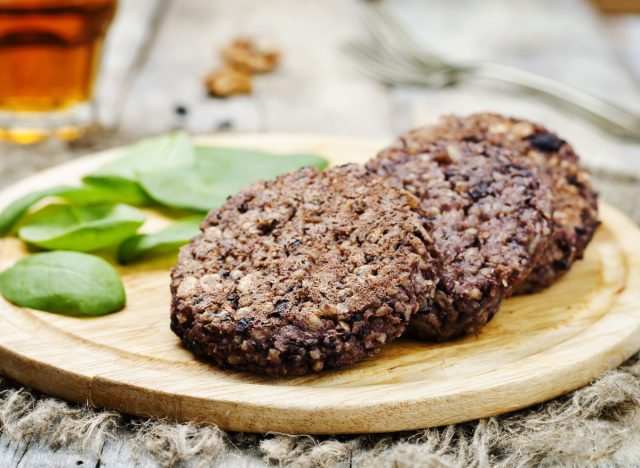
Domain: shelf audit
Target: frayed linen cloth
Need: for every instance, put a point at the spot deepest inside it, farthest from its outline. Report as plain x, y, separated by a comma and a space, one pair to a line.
597, 425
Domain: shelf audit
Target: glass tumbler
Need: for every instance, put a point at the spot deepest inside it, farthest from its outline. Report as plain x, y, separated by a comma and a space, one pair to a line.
50, 53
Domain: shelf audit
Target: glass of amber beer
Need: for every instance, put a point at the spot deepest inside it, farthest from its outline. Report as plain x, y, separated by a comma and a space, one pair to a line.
49, 56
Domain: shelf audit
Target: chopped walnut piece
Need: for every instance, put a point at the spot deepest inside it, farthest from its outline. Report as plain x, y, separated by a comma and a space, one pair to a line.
249, 56
228, 81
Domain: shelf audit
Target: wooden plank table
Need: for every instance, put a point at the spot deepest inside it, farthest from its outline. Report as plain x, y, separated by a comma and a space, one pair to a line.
159, 51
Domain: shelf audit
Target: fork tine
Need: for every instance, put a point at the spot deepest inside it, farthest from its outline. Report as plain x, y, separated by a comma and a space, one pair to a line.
382, 57
368, 60
394, 37
380, 70
381, 33
372, 67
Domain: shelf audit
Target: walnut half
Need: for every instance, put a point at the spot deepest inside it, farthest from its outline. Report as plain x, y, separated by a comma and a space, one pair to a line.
228, 81
249, 56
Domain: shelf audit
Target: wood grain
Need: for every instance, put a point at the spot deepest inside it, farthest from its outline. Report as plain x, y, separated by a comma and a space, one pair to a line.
538, 347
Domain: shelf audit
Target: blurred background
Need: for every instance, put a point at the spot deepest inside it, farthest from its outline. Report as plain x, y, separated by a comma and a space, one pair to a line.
337, 71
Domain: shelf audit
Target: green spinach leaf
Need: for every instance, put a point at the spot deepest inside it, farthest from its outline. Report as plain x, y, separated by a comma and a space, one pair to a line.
13, 213
126, 191
218, 173
159, 153
108, 190
64, 282
67, 227
102, 192
160, 242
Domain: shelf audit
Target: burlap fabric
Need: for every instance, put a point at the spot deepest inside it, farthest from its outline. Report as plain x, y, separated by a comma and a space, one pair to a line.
598, 425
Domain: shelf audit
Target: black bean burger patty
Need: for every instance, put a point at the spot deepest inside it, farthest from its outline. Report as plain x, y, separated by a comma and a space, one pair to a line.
313, 270
575, 216
488, 213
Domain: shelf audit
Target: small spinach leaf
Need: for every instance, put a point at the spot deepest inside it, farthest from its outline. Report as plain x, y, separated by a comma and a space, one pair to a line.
121, 175
163, 241
218, 173
108, 190
13, 213
111, 192
67, 227
126, 191
64, 282
164, 152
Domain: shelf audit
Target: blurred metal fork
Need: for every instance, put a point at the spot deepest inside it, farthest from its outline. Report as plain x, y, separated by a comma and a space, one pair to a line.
397, 57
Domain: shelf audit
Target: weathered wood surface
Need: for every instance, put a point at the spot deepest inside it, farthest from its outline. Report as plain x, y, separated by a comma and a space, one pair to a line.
316, 90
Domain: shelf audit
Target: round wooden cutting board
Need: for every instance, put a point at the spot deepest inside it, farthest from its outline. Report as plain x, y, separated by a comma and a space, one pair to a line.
538, 346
